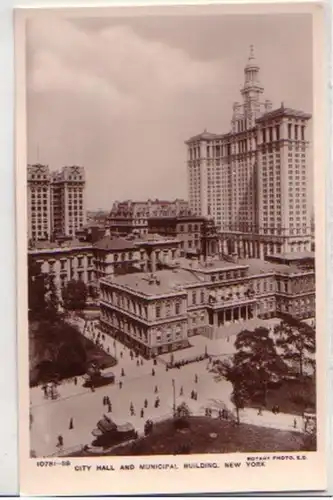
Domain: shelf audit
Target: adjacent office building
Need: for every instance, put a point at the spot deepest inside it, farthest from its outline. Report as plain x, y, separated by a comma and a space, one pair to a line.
254, 179
131, 216
56, 201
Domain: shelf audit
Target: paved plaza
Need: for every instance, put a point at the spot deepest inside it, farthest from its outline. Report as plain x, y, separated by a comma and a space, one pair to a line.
52, 417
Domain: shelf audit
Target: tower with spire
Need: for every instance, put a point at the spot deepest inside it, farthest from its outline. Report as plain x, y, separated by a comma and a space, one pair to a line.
253, 179
245, 114
252, 89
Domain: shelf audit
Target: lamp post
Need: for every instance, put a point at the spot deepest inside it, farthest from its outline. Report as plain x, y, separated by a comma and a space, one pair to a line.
174, 396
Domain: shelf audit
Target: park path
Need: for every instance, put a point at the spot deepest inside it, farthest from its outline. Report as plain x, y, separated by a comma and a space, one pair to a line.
51, 417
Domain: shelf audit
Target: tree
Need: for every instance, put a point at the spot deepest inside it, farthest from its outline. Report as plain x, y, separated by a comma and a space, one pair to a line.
234, 374
36, 287
255, 365
182, 416
59, 349
74, 295
51, 297
297, 342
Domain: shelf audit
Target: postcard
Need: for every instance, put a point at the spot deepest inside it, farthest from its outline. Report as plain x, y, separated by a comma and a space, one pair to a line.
171, 248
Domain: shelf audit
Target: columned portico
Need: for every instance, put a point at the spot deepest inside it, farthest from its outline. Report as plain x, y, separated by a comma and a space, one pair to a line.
233, 314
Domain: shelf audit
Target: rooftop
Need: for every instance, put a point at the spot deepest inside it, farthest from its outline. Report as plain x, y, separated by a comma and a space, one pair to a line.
54, 245
203, 136
294, 256
108, 243
155, 238
209, 266
284, 112
258, 266
160, 283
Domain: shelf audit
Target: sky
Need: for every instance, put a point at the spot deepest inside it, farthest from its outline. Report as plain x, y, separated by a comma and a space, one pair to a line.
121, 95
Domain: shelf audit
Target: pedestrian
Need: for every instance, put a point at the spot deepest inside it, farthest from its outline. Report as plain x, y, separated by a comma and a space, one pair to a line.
155, 362
122, 372
153, 372
108, 350
260, 412
109, 407
120, 384
71, 424
137, 362
141, 362
196, 379
142, 413
295, 423
75, 380
121, 354
104, 401
145, 404
156, 389
60, 441
181, 392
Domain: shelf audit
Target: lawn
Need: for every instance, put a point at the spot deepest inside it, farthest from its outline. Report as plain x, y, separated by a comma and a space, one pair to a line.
293, 396
207, 435
75, 354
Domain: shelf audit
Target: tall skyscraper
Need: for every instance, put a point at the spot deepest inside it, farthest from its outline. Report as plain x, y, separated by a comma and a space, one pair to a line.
39, 202
56, 201
254, 180
68, 200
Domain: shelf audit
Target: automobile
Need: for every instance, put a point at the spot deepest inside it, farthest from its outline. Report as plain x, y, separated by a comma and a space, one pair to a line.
95, 378
108, 433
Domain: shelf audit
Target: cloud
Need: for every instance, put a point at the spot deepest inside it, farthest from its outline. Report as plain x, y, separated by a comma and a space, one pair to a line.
114, 65
121, 100
114, 102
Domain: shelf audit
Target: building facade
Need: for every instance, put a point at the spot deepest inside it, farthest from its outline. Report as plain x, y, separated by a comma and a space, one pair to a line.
56, 201
39, 202
70, 261
159, 312
108, 257
68, 201
149, 316
132, 216
254, 180
189, 229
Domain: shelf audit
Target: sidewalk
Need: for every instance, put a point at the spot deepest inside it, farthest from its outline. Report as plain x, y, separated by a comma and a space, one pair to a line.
51, 417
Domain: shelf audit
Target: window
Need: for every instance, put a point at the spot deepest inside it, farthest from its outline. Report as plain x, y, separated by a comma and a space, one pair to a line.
177, 307
202, 296
289, 130
194, 298
158, 311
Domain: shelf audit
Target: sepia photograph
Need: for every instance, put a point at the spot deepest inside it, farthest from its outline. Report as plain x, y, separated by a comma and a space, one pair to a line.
170, 214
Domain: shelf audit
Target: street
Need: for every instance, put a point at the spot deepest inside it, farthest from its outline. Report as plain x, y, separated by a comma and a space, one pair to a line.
51, 417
